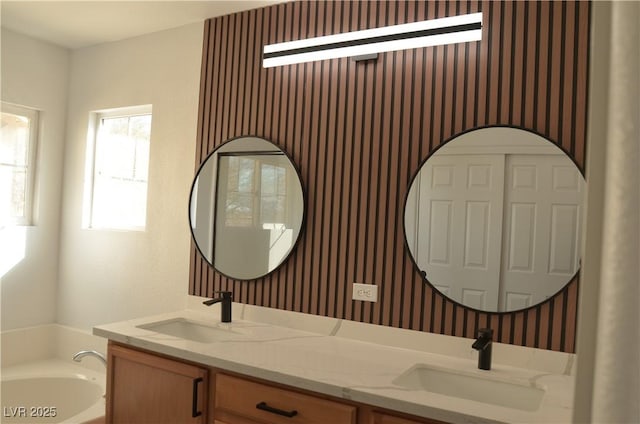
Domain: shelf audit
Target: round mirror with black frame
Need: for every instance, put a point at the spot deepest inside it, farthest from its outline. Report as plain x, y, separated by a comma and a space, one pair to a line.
493, 219
246, 209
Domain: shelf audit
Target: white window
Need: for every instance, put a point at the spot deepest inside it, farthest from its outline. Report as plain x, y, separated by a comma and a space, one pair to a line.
18, 140
118, 168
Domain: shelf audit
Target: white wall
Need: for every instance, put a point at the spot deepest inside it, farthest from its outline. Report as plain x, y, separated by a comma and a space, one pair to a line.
35, 74
109, 276
594, 219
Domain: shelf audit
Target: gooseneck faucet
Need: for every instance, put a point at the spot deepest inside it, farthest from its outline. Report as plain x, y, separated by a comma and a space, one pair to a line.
78, 356
483, 346
225, 301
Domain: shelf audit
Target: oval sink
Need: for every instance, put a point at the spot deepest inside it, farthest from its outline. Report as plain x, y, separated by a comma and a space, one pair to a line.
490, 389
194, 331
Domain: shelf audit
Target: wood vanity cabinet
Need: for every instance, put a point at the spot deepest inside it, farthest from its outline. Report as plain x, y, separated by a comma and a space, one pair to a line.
146, 388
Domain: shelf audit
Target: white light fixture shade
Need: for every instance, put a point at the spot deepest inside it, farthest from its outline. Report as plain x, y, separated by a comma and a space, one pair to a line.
434, 32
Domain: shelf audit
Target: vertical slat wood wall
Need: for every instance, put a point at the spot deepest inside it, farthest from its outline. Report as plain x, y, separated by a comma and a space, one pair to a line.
359, 131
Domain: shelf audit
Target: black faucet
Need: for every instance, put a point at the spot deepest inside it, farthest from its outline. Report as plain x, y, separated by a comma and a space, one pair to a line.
483, 346
225, 299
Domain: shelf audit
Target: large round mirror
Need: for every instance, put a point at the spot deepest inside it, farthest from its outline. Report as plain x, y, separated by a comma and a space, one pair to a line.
246, 208
493, 218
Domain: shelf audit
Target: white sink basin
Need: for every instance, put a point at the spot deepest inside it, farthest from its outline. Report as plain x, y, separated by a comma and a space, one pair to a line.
194, 331
480, 388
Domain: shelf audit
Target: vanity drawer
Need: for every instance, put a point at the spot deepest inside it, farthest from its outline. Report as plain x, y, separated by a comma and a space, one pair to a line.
267, 404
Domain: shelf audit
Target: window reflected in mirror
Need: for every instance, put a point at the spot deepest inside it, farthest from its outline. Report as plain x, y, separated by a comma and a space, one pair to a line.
253, 189
246, 208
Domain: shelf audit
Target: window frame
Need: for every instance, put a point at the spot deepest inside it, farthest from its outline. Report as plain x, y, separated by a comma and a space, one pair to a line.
95, 119
31, 166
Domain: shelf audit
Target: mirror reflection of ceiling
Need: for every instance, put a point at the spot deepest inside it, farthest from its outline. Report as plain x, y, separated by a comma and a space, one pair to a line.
493, 219
246, 208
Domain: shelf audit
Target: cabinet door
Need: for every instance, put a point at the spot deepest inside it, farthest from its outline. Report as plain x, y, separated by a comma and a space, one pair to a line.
144, 388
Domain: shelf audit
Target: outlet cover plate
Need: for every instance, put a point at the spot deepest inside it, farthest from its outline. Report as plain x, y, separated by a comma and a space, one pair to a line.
365, 292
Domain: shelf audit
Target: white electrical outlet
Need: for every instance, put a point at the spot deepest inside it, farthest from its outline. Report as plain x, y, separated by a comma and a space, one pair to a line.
366, 292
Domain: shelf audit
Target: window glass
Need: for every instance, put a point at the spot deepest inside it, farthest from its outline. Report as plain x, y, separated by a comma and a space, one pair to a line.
120, 170
18, 136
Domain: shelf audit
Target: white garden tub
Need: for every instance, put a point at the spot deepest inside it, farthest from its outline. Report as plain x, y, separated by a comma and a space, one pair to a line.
51, 391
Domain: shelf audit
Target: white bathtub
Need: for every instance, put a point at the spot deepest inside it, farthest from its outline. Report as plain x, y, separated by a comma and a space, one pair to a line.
51, 391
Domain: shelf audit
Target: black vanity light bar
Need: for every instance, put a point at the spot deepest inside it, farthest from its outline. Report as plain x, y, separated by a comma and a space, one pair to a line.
434, 32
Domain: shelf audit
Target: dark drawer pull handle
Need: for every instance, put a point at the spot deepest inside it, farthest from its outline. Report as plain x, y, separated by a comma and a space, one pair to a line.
264, 407
194, 406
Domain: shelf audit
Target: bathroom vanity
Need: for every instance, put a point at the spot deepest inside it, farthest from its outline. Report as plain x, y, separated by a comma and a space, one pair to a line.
271, 366
148, 387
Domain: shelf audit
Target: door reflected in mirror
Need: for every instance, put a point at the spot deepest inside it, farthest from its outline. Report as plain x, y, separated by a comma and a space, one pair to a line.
493, 219
246, 208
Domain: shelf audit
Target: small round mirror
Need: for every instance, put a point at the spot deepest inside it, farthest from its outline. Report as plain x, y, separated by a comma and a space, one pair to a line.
493, 219
246, 208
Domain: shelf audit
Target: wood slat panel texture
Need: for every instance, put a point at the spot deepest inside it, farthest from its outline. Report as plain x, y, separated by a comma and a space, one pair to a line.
359, 131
